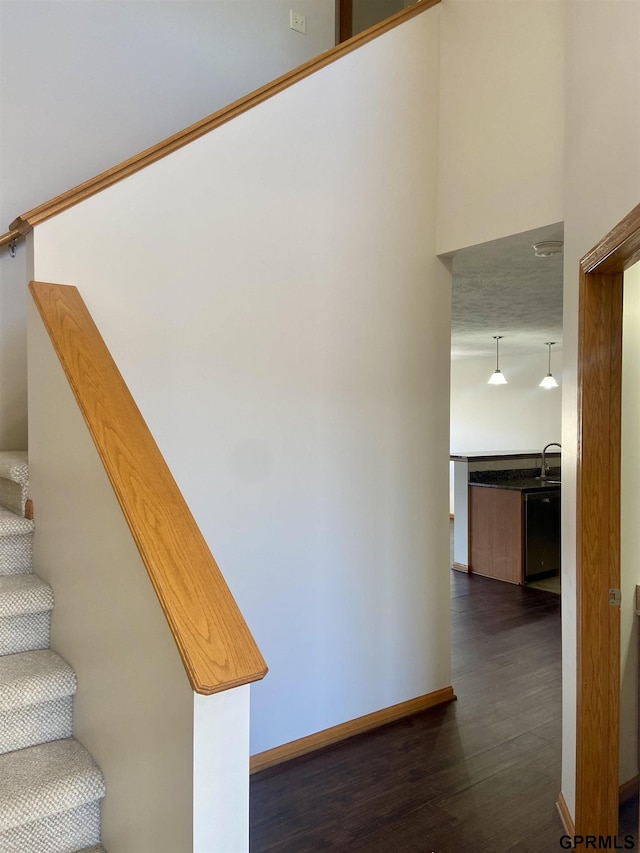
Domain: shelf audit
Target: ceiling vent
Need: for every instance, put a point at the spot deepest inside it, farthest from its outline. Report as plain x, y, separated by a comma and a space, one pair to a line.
547, 248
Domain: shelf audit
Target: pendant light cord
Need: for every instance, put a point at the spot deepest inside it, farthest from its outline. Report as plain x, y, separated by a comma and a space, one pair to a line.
550, 344
497, 337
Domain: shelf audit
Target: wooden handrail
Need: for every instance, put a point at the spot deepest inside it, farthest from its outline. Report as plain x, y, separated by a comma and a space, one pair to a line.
9, 237
214, 641
27, 221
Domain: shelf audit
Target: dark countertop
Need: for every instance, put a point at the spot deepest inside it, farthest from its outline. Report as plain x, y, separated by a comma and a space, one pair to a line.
477, 456
523, 480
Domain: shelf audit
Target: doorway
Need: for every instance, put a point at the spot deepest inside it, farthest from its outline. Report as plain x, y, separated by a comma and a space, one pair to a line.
598, 525
355, 16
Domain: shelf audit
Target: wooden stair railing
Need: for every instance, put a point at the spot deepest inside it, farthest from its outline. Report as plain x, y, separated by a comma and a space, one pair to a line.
10, 237
213, 639
24, 223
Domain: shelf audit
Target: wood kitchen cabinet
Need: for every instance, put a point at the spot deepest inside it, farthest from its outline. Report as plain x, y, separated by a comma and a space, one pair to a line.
496, 533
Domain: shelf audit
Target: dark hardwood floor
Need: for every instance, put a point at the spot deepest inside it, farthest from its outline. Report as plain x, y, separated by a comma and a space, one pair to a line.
481, 774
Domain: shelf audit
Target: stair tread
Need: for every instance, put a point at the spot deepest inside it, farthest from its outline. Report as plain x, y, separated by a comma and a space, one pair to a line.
12, 524
20, 594
46, 779
36, 676
14, 466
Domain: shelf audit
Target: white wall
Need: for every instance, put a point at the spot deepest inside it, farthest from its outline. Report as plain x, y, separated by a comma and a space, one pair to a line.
221, 772
630, 531
516, 416
85, 84
175, 764
501, 141
602, 184
286, 340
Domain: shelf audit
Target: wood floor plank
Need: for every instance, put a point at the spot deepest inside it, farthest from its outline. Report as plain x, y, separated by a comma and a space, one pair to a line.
481, 774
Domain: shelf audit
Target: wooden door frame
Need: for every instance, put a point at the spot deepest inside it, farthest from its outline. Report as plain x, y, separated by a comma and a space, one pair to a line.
598, 526
344, 20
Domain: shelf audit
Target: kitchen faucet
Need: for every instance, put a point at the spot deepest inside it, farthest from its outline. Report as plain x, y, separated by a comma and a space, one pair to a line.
543, 469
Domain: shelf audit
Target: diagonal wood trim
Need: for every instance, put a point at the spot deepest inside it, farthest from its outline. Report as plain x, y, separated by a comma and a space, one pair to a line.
214, 641
31, 218
565, 815
326, 737
619, 250
626, 792
9, 236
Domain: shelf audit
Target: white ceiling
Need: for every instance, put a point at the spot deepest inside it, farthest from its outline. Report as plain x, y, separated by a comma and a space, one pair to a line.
502, 288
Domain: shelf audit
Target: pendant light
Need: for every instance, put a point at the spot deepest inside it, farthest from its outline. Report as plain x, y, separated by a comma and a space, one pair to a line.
549, 381
497, 377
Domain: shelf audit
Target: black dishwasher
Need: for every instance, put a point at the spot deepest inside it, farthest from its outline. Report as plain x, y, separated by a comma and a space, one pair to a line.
541, 534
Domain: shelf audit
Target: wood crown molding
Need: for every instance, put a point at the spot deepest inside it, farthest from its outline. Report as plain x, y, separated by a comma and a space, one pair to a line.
27, 221
335, 734
217, 649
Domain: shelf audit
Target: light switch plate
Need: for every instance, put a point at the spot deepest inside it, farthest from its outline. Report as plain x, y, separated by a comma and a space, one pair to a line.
298, 22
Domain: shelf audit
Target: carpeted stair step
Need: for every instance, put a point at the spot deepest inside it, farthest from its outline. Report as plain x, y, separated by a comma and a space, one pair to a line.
25, 613
36, 699
50, 799
16, 543
50, 787
14, 480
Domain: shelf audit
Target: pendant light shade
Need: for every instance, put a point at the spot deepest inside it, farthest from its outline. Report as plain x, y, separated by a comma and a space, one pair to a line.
497, 377
549, 381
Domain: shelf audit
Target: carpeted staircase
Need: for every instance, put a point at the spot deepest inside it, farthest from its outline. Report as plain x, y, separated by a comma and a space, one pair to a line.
50, 787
